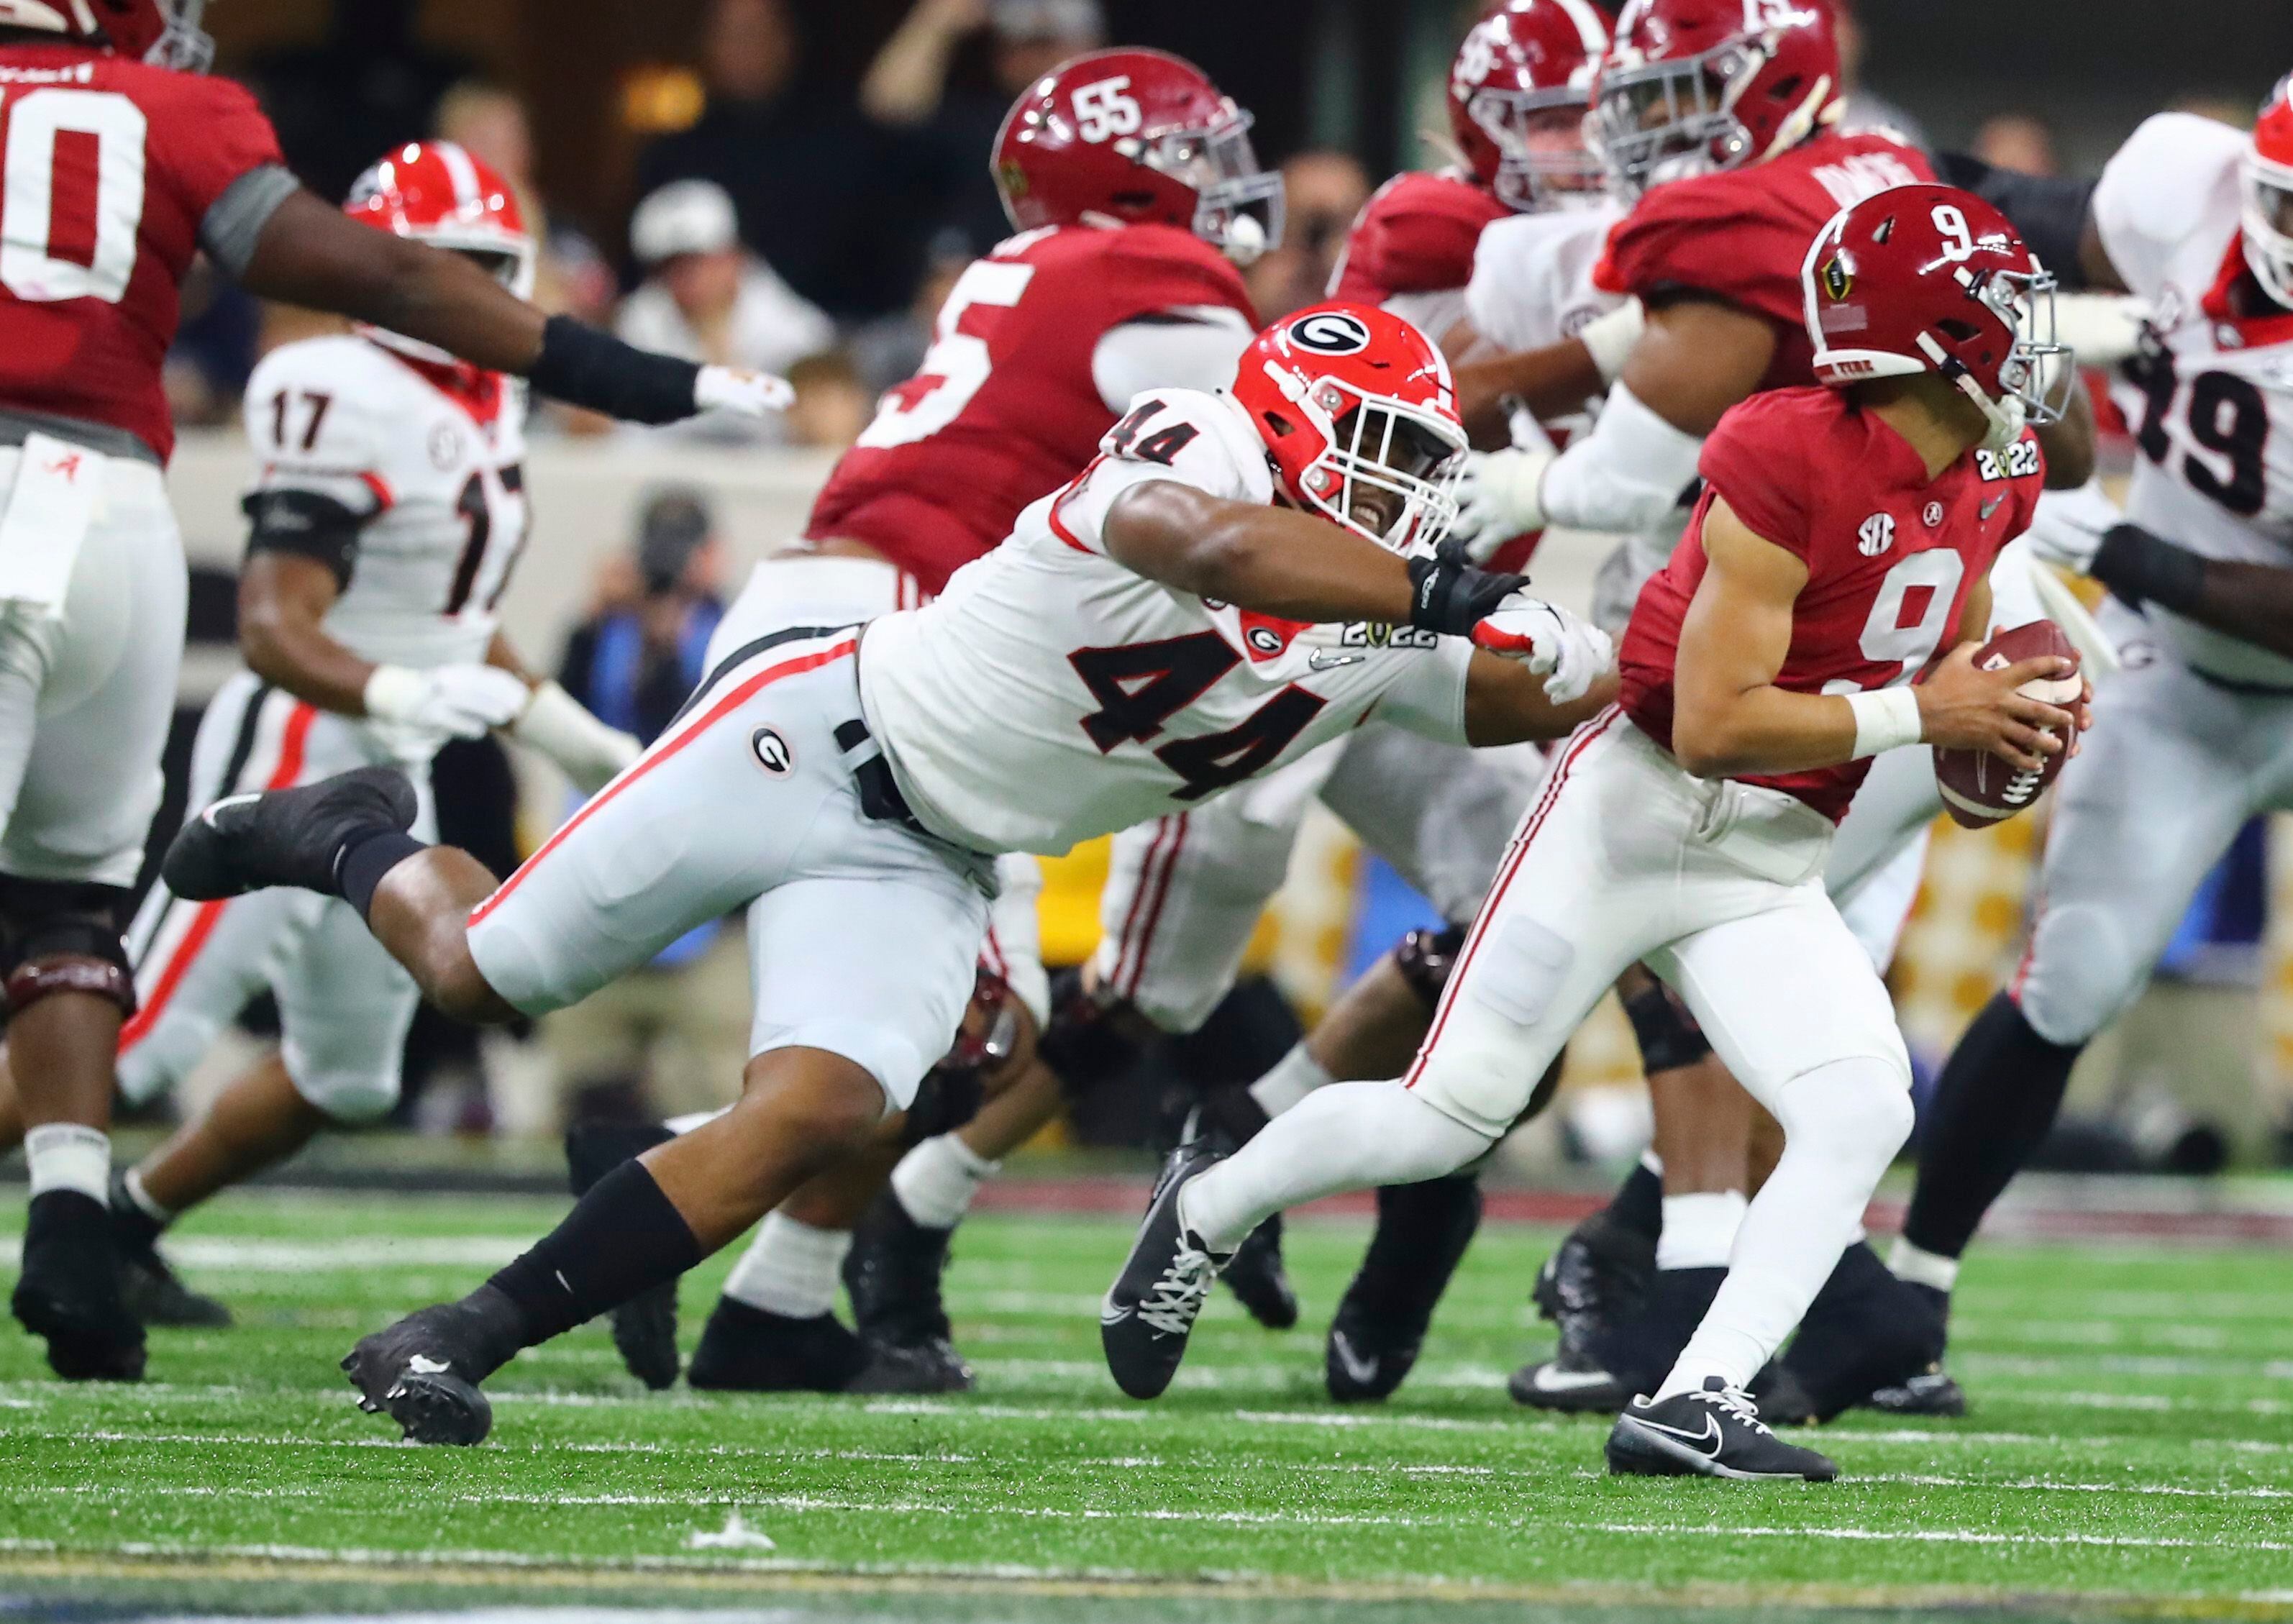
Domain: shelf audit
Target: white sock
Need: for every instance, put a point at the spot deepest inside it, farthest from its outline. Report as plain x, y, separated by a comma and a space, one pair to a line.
1842, 1123
790, 1268
1699, 1229
144, 1203
1294, 1075
1346, 1136
1921, 1267
69, 1156
938, 1179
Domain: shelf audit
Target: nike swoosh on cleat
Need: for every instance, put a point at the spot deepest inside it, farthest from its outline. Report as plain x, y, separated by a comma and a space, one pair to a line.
422, 1364
208, 816
1547, 1379
1109, 1314
1709, 1435
1360, 1369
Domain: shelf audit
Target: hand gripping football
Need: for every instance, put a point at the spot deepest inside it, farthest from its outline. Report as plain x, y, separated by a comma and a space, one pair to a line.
1979, 789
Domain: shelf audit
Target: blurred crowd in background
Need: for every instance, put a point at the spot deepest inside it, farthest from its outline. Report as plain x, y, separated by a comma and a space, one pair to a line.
771, 216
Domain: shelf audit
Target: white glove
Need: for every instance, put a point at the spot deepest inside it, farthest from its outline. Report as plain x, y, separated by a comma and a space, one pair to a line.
1569, 653
2068, 528
1498, 498
461, 701
586, 750
751, 394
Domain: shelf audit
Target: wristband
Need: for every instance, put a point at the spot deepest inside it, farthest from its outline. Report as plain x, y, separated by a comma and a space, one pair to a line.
583, 367
1609, 339
2142, 569
1450, 596
1885, 719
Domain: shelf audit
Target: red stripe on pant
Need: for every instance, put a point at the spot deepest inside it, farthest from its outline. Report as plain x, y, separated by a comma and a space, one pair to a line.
1520, 845
292, 741
1154, 884
661, 752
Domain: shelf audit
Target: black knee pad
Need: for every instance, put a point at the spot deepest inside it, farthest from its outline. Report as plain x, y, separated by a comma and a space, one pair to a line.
64, 936
1426, 958
1668, 1035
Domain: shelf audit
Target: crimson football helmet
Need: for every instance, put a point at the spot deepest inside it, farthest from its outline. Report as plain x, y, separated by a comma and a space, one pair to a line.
1359, 418
1691, 86
2268, 185
436, 192
1518, 93
1930, 278
165, 32
1132, 138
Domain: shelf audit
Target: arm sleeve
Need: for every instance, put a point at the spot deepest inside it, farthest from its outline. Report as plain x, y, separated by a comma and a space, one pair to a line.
234, 224
1429, 699
306, 523
1194, 347
2050, 210
1757, 475
1623, 477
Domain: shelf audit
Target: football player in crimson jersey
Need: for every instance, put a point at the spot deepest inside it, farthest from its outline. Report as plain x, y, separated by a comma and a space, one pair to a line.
1721, 120
2196, 217
1236, 579
1752, 700
388, 511
121, 163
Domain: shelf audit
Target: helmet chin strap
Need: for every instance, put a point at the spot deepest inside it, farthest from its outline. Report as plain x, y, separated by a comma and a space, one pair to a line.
2007, 418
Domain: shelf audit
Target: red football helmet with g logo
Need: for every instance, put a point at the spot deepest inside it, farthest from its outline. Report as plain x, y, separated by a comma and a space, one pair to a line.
1930, 278
165, 33
2268, 186
1133, 138
1518, 93
1360, 419
436, 192
1691, 86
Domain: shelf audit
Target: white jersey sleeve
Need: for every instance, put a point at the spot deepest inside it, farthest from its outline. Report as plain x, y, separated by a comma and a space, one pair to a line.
1052, 695
1195, 349
1532, 281
2176, 173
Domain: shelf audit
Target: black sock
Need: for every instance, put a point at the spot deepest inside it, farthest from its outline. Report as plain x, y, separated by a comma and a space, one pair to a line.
621, 1238
1638, 1205
129, 1221
1992, 1106
366, 857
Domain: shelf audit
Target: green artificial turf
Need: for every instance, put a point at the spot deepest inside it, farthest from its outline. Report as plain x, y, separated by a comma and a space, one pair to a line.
2132, 1438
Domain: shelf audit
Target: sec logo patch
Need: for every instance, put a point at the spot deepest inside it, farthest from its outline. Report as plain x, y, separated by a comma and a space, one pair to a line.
1875, 534
771, 751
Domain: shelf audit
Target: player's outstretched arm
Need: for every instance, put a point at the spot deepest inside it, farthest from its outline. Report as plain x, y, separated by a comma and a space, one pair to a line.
317, 257
588, 751
1271, 559
1730, 719
2250, 601
1506, 702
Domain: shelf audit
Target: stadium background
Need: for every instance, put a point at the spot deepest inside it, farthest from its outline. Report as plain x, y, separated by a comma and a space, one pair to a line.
2204, 1068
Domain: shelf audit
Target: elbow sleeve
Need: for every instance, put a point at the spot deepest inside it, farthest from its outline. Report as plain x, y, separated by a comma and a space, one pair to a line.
1626, 475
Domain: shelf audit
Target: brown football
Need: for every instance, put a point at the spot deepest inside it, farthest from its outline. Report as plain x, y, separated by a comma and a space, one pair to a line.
1979, 789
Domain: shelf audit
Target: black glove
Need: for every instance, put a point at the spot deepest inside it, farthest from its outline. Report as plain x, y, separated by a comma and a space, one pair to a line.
1450, 595
2139, 568
1084, 1044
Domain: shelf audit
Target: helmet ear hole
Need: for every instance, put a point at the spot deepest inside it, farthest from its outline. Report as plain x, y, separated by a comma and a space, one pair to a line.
1279, 424
1958, 331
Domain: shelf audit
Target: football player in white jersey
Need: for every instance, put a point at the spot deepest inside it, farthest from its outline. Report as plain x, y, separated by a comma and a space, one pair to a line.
1236, 579
387, 511
2195, 735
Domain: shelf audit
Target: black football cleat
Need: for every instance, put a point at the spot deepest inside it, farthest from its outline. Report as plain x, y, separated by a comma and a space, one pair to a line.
893, 1275
1599, 1274
643, 1327
67, 1291
1150, 1310
154, 1293
1866, 1332
244, 842
1716, 1432
1931, 1394
752, 1350
424, 1372
1260, 1282
1422, 1232
1567, 1384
